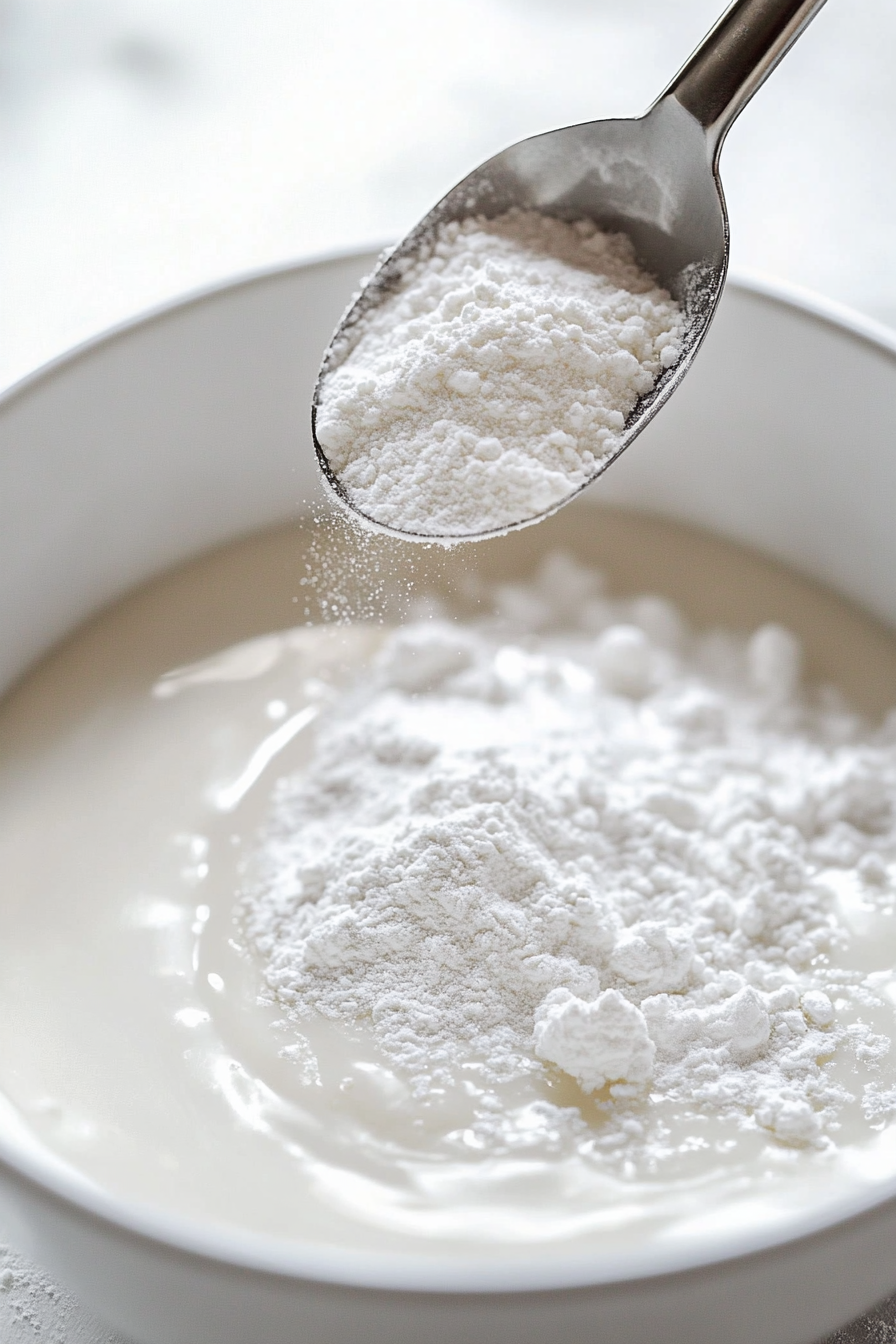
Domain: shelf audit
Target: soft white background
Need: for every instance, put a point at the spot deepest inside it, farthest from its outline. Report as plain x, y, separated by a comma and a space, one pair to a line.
149, 147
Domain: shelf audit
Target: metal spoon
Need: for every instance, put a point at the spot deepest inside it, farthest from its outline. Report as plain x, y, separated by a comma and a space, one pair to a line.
654, 177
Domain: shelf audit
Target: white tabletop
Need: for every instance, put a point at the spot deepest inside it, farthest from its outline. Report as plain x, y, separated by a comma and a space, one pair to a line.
150, 147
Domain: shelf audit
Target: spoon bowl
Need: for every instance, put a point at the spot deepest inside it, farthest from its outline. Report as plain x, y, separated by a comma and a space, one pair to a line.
654, 178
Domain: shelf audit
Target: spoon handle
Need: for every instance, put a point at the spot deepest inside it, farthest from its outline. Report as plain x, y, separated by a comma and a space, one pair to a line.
740, 52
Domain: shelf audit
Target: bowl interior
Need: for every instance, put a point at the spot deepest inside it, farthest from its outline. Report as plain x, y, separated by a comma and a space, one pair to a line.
191, 428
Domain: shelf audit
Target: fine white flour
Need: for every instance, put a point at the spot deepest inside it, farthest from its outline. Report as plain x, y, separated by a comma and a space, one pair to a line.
493, 383
33, 1308
620, 851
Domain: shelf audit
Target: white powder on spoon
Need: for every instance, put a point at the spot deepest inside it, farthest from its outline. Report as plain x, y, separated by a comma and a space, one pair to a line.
490, 386
621, 852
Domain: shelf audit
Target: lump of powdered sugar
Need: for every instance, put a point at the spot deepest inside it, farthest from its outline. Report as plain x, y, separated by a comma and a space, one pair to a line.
604, 1041
613, 854
492, 384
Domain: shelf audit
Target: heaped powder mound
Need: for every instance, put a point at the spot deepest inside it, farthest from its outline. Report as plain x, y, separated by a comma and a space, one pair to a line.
496, 380
623, 853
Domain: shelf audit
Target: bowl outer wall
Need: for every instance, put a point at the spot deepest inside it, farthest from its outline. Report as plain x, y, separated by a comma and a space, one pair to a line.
156, 1293
190, 427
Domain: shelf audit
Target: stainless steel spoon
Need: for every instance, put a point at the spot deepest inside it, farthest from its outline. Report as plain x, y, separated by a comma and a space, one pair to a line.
654, 177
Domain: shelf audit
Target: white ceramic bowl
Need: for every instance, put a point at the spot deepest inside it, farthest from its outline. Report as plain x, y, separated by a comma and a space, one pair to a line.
190, 427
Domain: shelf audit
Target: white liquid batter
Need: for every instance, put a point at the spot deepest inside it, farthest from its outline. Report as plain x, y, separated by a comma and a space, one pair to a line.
134, 1045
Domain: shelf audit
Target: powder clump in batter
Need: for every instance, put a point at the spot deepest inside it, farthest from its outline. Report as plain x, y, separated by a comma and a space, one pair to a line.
603, 1041
498, 377
621, 851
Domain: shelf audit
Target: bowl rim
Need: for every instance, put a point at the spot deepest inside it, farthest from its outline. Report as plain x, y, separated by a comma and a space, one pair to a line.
26, 1165
761, 284
191, 298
